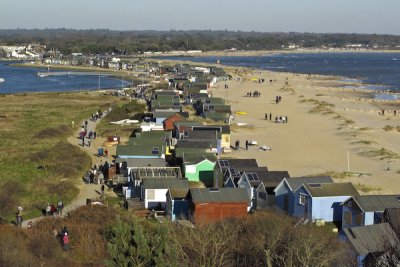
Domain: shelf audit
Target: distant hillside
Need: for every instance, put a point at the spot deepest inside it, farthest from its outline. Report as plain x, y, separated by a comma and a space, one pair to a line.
129, 42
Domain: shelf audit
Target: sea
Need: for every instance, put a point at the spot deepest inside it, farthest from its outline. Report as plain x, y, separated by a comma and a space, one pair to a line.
24, 79
376, 71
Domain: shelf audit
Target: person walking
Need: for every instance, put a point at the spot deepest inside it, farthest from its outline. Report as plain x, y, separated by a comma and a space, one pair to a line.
60, 207
64, 230
19, 218
237, 144
48, 209
65, 241
270, 116
102, 191
247, 145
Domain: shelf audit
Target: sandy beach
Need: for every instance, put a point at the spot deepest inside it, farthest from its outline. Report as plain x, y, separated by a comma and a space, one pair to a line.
326, 123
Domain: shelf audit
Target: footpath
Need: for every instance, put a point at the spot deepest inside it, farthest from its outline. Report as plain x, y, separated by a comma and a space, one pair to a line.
85, 190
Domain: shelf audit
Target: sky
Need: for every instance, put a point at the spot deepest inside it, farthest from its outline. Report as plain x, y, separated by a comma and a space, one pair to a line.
318, 16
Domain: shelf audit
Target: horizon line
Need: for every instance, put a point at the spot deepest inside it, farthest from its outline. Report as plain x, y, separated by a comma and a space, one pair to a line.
189, 30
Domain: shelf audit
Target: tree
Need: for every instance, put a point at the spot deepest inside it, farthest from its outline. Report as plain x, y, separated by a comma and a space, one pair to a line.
130, 245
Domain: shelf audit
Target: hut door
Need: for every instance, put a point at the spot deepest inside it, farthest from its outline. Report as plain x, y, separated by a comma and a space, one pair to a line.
286, 203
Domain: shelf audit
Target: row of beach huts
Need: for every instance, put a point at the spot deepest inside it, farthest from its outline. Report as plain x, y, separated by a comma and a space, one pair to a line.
178, 166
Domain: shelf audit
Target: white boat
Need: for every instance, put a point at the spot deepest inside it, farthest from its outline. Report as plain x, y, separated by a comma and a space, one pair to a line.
2, 80
42, 74
123, 122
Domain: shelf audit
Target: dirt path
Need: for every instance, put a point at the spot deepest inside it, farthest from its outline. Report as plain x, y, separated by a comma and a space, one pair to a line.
85, 190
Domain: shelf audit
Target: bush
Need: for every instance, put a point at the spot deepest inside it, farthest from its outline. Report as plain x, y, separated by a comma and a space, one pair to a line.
58, 132
8, 196
63, 159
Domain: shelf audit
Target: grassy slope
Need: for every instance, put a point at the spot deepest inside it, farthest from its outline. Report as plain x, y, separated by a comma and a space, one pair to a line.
33, 132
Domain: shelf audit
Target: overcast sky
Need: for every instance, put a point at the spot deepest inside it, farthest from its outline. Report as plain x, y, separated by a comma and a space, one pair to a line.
347, 16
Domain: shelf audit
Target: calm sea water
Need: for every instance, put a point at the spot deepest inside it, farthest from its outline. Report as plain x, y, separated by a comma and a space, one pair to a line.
19, 80
380, 70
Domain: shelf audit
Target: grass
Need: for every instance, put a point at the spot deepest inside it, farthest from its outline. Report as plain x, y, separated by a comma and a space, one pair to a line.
325, 108
319, 106
382, 154
365, 129
335, 175
364, 142
120, 111
366, 188
388, 128
33, 130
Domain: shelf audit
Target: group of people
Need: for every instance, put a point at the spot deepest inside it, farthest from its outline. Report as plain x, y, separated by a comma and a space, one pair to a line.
278, 99
83, 134
97, 115
97, 174
255, 93
52, 210
281, 119
247, 144
102, 152
382, 112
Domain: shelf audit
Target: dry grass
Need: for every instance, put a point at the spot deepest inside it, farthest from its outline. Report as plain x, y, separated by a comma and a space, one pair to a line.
335, 175
33, 130
366, 188
365, 129
381, 154
364, 142
388, 128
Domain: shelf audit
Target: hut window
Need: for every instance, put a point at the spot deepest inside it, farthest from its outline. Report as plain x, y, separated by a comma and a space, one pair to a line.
350, 203
150, 194
347, 217
359, 219
303, 199
154, 151
262, 195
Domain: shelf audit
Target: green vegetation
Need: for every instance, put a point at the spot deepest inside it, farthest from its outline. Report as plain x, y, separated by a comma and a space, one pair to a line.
121, 111
128, 42
37, 163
